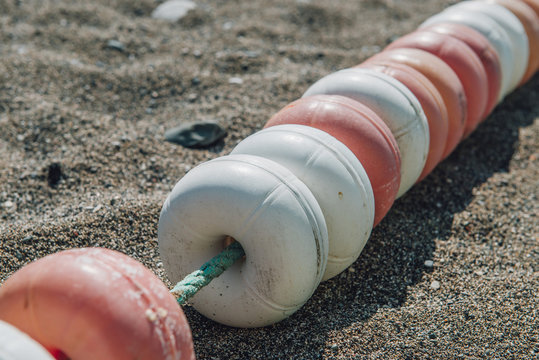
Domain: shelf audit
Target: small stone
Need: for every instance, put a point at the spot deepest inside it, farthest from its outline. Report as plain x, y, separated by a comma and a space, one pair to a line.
429, 263
115, 45
54, 174
8, 204
235, 80
76, 62
192, 97
435, 285
173, 10
196, 134
252, 54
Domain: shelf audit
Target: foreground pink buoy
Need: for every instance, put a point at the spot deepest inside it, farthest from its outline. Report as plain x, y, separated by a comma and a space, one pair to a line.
96, 304
361, 130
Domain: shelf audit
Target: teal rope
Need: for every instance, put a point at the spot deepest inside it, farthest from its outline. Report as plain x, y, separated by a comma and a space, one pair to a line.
195, 281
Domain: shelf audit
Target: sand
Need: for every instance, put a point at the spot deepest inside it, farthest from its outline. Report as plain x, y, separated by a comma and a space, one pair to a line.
450, 273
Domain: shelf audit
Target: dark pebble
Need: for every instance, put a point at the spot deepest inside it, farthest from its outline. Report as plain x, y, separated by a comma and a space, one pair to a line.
196, 134
54, 174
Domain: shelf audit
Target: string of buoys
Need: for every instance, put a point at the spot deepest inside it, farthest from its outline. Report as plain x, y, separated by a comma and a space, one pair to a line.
301, 196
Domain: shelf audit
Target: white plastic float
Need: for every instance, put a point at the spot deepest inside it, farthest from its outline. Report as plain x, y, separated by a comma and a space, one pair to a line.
271, 213
518, 40
16, 345
396, 105
333, 174
495, 34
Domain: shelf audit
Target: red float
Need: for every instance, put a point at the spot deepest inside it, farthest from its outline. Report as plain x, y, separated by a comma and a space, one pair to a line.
443, 78
361, 130
96, 304
432, 103
462, 60
484, 50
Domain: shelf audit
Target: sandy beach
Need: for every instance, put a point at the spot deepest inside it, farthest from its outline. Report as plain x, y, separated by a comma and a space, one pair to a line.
88, 89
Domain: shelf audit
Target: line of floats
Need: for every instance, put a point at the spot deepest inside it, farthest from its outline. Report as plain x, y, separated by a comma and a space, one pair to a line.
301, 196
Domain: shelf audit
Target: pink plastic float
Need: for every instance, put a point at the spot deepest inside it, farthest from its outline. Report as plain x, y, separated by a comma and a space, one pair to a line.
496, 36
462, 60
432, 103
395, 104
361, 130
64, 302
484, 50
443, 78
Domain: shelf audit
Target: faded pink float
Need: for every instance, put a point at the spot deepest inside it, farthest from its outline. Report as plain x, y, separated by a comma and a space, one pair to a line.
361, 130
443, 78
432, 103
462, 60
96, 304
484, 50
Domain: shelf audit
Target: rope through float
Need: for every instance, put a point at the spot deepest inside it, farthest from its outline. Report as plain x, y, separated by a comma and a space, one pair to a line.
192, 283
